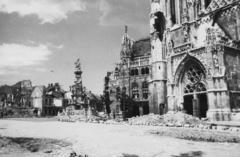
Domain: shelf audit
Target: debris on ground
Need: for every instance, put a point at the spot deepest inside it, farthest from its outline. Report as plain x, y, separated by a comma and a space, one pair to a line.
74, 154
32, 144
198, 135
171, 119
178, 119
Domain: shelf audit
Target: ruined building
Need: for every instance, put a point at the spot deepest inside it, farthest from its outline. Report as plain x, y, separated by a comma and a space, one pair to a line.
193, 63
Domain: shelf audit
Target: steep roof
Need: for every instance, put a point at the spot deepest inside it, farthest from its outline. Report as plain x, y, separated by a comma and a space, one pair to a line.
216, 4
141, 47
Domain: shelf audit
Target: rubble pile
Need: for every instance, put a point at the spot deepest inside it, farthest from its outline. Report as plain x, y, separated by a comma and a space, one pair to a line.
150, 119
171, 119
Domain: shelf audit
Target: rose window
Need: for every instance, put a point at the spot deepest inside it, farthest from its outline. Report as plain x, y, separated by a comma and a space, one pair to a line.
193, 79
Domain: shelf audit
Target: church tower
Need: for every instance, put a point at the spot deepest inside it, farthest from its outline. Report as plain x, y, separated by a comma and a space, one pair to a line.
126, 47
157, 84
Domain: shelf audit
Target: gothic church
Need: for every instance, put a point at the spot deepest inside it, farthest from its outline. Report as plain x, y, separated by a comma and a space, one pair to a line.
190, 62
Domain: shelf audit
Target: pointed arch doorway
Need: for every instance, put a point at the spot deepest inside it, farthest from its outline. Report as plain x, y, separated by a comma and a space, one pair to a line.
195, 101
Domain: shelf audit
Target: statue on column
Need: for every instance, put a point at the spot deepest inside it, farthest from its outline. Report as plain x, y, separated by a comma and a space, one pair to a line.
78, 65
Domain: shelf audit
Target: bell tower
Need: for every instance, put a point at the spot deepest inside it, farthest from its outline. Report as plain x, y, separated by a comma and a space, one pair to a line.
157, 84
126, 47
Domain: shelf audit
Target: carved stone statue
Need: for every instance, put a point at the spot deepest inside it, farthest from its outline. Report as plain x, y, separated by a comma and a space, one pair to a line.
78, 65
215, 60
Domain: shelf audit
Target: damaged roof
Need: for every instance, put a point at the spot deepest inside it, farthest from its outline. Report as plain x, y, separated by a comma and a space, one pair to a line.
141, 47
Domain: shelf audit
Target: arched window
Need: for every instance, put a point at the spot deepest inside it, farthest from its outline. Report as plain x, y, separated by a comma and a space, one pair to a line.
145, 90
147, 70
132, 72
143, 71
136, 72
135, 91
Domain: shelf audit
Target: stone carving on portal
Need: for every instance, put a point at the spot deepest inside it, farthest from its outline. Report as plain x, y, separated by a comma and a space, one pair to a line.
182, 65
185, 16
186, 30
177, 60
200, 54
194, 35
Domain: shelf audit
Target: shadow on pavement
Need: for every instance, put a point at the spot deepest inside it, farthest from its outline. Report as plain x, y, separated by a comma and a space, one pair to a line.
190, 154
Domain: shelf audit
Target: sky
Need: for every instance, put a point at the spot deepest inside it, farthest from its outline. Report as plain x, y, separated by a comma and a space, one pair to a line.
41, 39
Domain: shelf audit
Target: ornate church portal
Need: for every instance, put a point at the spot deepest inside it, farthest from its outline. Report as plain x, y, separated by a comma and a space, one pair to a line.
194, 91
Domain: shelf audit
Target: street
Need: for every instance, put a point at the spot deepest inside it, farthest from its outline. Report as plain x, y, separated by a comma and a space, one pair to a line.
101, 140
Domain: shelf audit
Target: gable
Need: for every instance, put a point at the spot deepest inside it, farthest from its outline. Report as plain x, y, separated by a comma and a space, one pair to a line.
36, 93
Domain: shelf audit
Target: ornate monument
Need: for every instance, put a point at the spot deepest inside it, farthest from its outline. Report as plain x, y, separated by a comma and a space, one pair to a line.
78, 93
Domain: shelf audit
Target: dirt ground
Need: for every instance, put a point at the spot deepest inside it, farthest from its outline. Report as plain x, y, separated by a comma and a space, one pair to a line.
100, 140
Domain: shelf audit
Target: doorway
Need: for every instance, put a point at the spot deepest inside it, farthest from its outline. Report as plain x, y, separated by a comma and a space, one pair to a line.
188, 105
135, 111
145, 109
203, 105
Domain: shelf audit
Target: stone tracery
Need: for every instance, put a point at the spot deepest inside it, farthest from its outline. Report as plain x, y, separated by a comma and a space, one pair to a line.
192, 76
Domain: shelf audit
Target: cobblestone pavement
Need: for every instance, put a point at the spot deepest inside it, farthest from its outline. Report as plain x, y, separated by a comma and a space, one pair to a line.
100, 140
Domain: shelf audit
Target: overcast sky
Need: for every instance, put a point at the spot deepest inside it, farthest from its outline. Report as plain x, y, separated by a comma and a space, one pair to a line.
41, 39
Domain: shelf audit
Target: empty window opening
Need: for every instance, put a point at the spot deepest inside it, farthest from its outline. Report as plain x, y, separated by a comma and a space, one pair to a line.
143, 71
147, 70
136, 72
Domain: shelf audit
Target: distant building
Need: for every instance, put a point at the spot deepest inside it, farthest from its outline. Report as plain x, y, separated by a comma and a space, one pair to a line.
6, 95
37, 99
94, 101
132, 75
22, 93
53, 98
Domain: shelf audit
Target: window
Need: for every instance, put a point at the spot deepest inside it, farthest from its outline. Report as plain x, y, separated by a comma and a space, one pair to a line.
145, 90
135, 91
132, 72
173, 12
193, 78
147, 70
143, 71
136, 72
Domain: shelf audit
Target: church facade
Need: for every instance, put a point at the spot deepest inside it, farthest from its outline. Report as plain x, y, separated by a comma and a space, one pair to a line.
192, 59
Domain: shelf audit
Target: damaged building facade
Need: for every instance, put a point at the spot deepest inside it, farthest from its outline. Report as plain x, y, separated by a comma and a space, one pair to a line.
131, 76
193, 62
